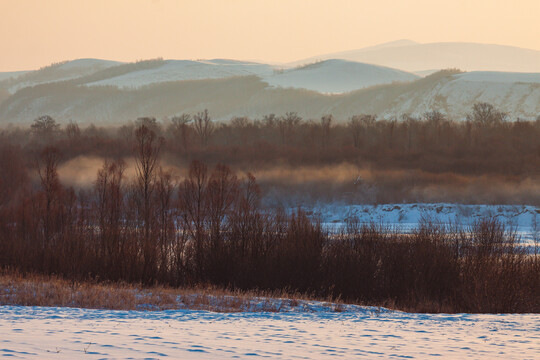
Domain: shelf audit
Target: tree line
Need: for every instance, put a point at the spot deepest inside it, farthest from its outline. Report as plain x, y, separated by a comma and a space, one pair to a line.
484, 159
209, 228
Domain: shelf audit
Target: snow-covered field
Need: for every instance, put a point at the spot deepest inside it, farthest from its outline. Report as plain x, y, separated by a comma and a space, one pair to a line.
71, 333
523, 219
522, 216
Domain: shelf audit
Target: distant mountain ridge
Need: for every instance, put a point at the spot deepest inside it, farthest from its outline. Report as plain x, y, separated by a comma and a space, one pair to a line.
329, 76
103, 91
451, 93
56, 72
410, 56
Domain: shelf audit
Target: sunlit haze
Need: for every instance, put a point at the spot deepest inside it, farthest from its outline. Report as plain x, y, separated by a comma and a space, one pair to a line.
34, 33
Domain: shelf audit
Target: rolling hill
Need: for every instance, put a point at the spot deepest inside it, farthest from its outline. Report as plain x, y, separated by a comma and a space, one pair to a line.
448, 92
102, 91
178, 70
411, 56
67, 70
337, 76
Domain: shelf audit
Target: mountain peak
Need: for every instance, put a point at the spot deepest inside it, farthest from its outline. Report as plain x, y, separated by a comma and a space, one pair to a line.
395, 43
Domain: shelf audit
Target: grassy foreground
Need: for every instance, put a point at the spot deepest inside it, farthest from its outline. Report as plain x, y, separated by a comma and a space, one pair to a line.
38, 290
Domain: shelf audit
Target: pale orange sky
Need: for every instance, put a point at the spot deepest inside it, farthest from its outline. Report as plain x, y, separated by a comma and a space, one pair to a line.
35, 33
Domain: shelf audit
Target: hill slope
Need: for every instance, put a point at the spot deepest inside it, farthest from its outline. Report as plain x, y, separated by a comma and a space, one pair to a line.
517, 94
56, 72
410, 56
331, 76
337, 76
177, 70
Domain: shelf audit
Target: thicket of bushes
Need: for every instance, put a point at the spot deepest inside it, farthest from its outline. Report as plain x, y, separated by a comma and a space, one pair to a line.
210, 229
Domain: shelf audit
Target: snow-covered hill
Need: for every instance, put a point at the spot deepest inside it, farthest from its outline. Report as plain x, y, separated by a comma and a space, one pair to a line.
330, 76
93, 90
454, 94
410, 56
15, 81
518, 94
178, 70
338, 76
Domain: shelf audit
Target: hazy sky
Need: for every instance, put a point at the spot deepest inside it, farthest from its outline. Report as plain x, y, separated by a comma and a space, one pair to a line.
34, 33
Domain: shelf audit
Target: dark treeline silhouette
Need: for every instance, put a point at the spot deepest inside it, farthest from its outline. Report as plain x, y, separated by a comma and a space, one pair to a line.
209, 228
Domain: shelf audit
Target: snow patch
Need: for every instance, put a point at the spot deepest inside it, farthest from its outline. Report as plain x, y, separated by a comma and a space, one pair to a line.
524, 219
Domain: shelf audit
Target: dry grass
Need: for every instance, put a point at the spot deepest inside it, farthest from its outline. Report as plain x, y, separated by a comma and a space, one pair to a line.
52, 291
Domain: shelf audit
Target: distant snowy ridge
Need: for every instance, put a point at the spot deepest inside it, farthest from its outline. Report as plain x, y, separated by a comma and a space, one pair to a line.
92, 90
411, 56
518, 94
330, 76
56, 72
338, 76
179, 70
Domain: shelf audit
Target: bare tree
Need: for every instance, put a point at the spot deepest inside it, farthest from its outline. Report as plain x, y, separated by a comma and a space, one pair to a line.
358, 124
147, 149
245, 217
391, 128
355, 127
326, 122
222, 192
435, 120
535, 232
45, 126
270, 120
287, 124
485, 114
193, 206
204, 127
410, 123
165, 186
73, 131
109, 209
434, 117
50, 184
125, 133
180, 128
149, 122
12, 173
